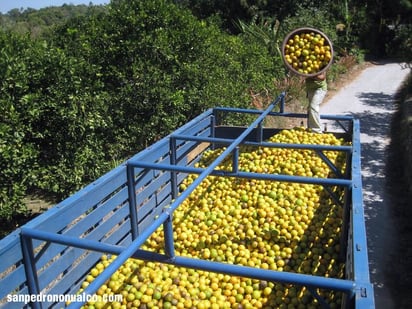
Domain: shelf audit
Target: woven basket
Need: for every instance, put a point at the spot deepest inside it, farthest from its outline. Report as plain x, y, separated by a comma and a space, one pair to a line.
298, 66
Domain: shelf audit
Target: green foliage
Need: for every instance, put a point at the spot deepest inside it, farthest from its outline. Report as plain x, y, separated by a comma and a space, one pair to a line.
38, 23
180, 67
53, 119
227, 12
106, 86
266, 31
17, 156
372, 26
401, 45
83, 89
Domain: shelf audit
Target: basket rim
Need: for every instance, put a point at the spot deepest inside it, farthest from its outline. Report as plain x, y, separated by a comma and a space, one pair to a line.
300, 30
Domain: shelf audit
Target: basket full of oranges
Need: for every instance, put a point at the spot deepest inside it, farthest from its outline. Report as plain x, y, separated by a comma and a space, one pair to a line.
307, 51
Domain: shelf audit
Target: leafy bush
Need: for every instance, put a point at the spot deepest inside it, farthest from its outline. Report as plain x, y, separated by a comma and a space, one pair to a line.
401, 45
18, 156
53, 119
162, 67
106, 86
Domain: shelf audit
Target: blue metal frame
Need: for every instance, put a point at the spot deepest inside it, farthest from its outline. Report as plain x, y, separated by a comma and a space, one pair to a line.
357, 286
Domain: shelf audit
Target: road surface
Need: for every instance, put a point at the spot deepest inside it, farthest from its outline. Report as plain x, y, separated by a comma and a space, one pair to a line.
370, 98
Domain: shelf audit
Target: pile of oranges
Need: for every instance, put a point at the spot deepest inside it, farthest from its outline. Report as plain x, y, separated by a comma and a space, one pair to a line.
307, 52
264, 224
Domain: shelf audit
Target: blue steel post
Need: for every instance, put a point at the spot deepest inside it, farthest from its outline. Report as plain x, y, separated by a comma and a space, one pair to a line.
346, 208
282, 103
235, 160
343, 242
168, 224
30, 269
168, 234
132, 201
364, 291
212, 128
260, 132
173, 174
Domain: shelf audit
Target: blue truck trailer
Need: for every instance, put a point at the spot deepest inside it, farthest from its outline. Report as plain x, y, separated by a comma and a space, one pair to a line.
53, 253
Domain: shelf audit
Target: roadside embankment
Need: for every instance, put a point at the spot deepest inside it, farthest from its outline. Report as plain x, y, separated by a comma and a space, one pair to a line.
402, 129
399, 179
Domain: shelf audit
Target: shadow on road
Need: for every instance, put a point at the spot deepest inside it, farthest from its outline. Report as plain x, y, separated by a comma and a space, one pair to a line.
387, 213
388, 232
376, 100
398, 272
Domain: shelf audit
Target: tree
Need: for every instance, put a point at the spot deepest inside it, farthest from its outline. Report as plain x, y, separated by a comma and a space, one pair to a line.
105, 86
174, 71
18, 156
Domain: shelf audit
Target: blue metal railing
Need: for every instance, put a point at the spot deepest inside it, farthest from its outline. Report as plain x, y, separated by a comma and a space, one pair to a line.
357, 288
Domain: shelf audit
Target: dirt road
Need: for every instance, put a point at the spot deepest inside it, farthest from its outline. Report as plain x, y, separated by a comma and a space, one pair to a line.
370, 98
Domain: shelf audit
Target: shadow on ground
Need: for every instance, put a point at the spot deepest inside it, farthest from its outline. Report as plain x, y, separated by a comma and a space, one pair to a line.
385, 199
385, 194
398, 272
